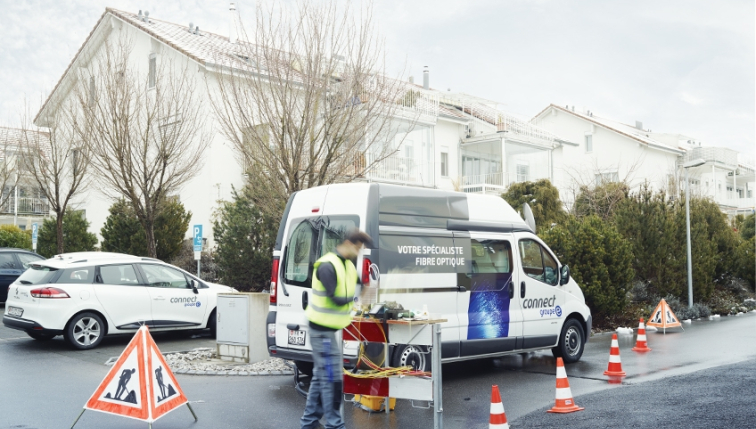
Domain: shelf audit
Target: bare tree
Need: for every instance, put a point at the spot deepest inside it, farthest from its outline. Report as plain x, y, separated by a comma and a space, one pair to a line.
11, 142
56, 161
146, 132
306, 99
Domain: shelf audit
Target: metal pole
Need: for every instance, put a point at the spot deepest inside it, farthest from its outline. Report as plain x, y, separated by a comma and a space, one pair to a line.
438, 408
687, 232
198, 269
15, 203
190, 409
77, 418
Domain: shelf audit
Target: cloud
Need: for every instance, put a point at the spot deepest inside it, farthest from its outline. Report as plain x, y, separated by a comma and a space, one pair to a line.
690, 99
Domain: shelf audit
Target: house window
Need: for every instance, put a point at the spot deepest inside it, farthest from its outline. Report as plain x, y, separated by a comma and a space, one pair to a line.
444, 164
523, 172
602, 178
409, 151
152, 72
92, 98
589, 143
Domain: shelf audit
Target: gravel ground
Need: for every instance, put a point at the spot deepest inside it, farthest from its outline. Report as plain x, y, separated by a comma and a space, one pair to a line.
205, 361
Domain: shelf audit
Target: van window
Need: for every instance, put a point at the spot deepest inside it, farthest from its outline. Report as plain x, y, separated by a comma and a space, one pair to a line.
491, 265
538, 263
311, 239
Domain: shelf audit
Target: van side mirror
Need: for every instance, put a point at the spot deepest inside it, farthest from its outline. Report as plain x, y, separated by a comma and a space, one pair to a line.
564, 275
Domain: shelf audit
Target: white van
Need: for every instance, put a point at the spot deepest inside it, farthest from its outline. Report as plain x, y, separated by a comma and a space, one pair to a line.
468, 258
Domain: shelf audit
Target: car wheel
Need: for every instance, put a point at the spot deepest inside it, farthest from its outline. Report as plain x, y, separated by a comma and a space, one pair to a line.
571, 342
304, 367
410, 355
212, 324
85, 331
40, 336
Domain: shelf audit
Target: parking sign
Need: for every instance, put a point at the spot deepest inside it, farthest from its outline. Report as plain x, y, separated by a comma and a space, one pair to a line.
197, 238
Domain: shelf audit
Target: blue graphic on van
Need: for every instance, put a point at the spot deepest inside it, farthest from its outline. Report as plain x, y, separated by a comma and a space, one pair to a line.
488, 313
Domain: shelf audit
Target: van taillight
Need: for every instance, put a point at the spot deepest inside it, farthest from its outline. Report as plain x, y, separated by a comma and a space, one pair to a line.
366, 271
49, 292
274, 283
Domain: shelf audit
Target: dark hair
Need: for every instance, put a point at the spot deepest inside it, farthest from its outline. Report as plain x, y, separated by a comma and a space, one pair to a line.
356, 236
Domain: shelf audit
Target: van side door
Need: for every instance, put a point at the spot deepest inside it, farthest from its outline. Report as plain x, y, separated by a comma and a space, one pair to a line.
542, 298
490, 314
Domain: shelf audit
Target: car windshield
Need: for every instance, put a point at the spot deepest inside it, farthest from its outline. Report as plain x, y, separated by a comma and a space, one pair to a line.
37, 275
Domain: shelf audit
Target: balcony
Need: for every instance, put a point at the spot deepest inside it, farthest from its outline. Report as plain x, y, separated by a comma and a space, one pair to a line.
492, 183
717, 155
397, 169
26, 206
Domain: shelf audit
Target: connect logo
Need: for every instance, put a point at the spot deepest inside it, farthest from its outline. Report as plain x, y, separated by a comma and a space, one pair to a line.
547, 312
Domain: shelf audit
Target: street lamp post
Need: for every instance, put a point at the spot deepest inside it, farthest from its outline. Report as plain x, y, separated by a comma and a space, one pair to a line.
688, 165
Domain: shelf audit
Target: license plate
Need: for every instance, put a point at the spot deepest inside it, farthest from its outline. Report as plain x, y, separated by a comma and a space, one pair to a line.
296, 338
15, 311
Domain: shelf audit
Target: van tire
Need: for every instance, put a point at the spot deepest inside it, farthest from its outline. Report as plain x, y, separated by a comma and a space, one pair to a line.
571, 342
304, 367
417, 357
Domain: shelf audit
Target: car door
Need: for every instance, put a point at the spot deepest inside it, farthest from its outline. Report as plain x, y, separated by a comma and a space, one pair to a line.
541, 299
124, 298
174, 302
490, 314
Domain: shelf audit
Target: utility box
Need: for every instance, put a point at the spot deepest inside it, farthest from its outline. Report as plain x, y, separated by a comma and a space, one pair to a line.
240, 329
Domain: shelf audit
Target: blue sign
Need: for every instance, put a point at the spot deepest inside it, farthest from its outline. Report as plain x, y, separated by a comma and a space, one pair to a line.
35, 229
197, 238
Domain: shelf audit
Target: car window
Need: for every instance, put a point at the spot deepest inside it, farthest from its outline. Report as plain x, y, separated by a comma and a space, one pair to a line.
162, 276
538, 263
28, 259
37, 275
7, 262
118, 275
491, 265
80, 275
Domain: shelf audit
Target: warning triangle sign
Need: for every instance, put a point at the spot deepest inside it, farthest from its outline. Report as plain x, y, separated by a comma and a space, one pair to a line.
140, 385
663, 317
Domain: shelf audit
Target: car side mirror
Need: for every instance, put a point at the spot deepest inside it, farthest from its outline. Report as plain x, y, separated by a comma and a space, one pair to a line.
193, 283
564, 275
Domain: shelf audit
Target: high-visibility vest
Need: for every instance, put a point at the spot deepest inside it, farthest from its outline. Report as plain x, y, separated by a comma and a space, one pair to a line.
321, 309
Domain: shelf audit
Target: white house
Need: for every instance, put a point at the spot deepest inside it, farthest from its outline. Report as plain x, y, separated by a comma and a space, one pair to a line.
22, 201
608, 150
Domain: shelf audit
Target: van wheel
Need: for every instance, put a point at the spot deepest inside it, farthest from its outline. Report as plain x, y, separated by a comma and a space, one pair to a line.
409, 355
304, 367
85, 331
571, 342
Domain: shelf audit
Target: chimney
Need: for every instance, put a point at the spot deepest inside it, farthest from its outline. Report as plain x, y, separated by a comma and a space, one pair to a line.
233, 35
639, 125
426, 78
412, 80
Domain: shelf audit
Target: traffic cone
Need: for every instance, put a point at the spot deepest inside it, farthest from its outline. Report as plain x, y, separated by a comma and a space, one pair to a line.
615, 365
564, 402
640, 343
498, 418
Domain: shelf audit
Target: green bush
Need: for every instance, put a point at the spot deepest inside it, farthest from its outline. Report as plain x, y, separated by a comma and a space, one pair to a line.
76, 237
601, 201
185, 260
244, 240
123, 233
600, 261
13, 236
543, 199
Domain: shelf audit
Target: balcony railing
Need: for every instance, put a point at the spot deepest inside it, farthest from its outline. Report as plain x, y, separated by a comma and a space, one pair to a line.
26, 206
719, 155
496, 179
396, 169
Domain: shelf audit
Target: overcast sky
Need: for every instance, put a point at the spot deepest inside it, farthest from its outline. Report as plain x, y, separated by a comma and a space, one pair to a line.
678, 66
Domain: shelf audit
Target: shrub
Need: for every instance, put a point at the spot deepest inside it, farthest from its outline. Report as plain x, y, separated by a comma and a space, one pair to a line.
76, 237
244, 239
185, 260
600, 261
13, 236
123, 233
543, 199
601, 200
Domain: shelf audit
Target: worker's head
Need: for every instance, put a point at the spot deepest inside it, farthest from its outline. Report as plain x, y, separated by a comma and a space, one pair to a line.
353, 242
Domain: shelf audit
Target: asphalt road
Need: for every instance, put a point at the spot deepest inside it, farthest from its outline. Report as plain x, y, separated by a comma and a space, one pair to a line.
45, 385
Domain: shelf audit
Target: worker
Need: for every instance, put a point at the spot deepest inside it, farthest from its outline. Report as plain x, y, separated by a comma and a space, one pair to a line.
334, 287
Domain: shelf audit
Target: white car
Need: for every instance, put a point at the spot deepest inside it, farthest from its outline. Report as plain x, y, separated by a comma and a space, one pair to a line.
85, 296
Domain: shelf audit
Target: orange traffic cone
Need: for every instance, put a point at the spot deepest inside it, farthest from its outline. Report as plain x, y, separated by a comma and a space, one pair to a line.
615, 365
640, 343
498, 418
564, 402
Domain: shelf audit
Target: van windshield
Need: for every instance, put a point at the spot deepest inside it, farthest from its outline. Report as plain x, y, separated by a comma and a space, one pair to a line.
37, 275
311, 239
